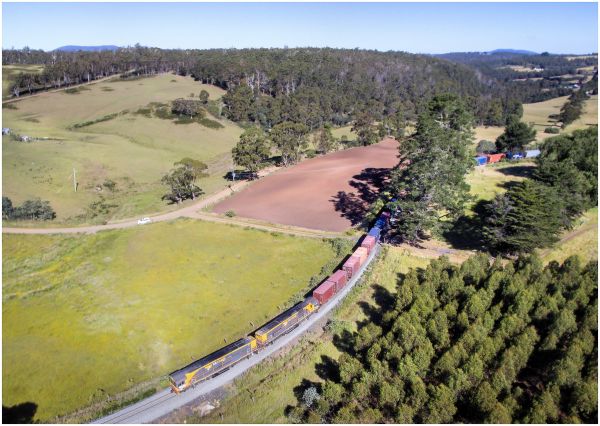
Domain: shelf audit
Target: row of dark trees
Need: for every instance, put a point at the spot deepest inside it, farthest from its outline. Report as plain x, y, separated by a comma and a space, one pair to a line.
573, 108
475, 343
34, 209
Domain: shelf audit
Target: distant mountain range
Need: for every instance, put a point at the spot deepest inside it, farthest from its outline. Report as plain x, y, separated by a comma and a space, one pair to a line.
72, 48
515, 51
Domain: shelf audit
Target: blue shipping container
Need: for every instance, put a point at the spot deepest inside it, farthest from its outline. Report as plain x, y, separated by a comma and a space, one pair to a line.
481, 161
375, 232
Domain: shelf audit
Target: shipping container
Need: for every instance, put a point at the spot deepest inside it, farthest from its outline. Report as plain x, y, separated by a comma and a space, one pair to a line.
339, 278
514, 156
361, 253
494, 158
375, 232
286, 321
324, 292
369, 243
531, 153
351, 266
212, 364
481, 161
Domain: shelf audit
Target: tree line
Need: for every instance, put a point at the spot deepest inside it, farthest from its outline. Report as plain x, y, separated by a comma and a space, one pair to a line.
313, 86
475, 343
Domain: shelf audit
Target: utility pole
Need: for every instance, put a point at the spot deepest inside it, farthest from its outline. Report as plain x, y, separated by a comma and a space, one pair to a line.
74, 179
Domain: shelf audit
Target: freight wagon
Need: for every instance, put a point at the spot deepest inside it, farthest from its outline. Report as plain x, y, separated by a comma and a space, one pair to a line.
339, 278
286, 321
325, 292
351, 266
212, 364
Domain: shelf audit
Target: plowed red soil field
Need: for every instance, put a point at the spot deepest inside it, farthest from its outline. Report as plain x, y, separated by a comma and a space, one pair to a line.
330, 193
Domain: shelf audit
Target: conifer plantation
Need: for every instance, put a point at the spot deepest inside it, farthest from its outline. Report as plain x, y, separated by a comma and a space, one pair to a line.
477, 343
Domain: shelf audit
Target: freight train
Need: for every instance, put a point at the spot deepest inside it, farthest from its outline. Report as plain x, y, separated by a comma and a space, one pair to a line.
226, 357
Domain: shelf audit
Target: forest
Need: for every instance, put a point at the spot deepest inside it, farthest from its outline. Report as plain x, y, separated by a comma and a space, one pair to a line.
313, 86
468, 344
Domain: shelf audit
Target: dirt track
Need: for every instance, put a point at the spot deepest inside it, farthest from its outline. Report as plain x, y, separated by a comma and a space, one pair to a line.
329, 193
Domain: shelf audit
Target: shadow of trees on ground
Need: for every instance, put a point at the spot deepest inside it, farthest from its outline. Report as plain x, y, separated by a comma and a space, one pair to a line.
519, 171
355, 205
467, 232
20, 413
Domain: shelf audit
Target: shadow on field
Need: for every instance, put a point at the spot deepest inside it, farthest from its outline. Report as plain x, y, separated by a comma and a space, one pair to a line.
354, 205
20, 413
466, 233
519, 171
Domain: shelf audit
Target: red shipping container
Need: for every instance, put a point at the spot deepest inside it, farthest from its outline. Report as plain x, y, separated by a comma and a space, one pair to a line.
494, 158
362, 253
339, 278
351, 266
369, 243
324, 292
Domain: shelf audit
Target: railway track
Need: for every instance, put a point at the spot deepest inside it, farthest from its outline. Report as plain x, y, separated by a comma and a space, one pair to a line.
163, 402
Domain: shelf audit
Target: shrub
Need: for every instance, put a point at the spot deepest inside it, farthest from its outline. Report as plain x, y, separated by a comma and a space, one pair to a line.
552, 130
230, 213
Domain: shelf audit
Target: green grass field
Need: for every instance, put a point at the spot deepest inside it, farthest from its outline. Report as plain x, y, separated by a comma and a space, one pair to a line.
89, 316
539, 114
131, 149
262, 395
490, 180
9, 72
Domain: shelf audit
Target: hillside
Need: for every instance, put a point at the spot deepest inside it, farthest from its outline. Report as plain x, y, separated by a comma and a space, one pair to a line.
118, 139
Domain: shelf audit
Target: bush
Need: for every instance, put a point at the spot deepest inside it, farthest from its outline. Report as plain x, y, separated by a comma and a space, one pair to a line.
230, 213
552, 130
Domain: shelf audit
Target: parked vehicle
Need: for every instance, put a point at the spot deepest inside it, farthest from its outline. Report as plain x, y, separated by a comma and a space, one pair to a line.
144, 221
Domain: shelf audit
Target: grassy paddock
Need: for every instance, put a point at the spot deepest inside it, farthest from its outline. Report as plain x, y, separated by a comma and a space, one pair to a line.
539, 114
102, 313
262, 395
128, 148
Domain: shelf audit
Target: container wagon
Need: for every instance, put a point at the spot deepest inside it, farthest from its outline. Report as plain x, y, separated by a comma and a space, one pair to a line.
324, 292
212, 364
369, 243
362, 253
286, 321
351, 266
339, 278
375, 232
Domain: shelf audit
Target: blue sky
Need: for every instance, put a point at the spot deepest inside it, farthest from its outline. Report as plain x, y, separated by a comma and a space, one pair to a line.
412, 27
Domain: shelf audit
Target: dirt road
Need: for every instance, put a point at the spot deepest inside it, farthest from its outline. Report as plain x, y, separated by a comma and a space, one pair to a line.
189, 211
